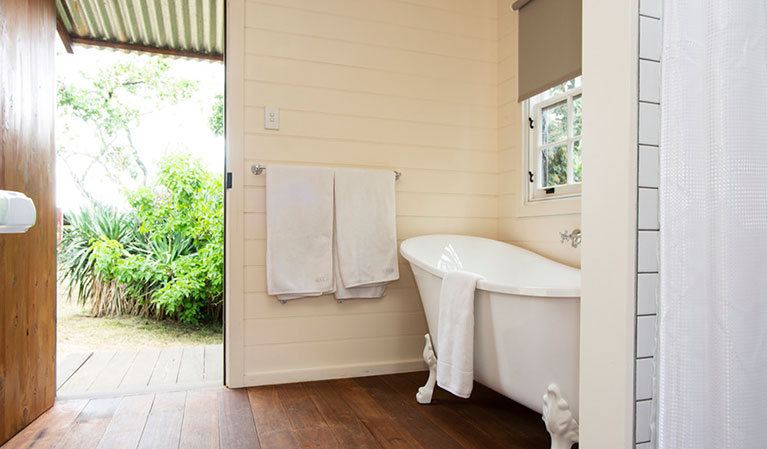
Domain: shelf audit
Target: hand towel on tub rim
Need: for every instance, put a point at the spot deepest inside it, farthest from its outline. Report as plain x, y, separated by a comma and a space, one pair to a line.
455, 334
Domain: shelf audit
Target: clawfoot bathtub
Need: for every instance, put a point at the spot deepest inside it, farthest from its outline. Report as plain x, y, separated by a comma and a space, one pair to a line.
526, 313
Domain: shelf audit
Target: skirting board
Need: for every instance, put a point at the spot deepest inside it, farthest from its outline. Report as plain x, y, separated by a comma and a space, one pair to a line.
332, 372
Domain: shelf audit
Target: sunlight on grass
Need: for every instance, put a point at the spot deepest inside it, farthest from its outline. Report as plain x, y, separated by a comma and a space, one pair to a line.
78, 332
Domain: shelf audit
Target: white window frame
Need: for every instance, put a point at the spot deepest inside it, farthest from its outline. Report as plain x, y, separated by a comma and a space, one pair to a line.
533, 161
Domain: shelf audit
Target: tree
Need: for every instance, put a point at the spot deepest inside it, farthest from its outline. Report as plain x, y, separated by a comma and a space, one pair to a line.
111, 103
216, 119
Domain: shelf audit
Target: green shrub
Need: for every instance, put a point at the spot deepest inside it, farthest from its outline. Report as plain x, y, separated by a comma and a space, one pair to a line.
81, 230
163, 259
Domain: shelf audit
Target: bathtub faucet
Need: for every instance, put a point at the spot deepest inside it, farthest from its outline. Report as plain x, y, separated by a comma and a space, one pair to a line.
574, 237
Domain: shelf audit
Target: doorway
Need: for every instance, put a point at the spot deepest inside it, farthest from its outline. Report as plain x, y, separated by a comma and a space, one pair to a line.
140, 207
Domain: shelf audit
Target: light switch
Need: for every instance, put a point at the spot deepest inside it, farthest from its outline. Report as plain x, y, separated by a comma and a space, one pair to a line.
272, 117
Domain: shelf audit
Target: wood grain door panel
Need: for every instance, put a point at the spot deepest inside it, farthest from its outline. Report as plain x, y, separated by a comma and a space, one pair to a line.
27, 261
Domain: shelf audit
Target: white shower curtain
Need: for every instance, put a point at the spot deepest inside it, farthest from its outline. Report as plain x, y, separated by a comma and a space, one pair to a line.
712, 335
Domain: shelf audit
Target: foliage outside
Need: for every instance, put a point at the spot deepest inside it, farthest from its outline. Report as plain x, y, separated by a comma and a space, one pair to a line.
158, 254
555, 129
216, 118
111, 104
162, 259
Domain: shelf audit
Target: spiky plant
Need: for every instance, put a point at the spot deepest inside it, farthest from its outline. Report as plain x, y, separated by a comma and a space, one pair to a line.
81, 229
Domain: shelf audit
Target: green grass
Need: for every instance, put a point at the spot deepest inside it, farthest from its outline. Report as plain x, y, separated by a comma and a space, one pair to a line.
79, 332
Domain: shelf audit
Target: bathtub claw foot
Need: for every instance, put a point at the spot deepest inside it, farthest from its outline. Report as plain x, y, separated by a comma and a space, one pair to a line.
560, 423
424, 393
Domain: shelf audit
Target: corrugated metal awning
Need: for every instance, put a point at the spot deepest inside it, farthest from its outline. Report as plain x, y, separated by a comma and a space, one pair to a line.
187, 28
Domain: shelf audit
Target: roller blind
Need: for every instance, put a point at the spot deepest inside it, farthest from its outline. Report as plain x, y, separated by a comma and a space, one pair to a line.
549, 44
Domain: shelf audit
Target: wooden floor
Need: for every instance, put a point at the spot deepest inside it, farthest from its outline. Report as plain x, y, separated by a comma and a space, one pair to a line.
104, 372
370, 412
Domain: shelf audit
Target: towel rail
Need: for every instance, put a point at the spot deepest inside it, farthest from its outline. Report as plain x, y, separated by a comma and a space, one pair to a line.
258, 169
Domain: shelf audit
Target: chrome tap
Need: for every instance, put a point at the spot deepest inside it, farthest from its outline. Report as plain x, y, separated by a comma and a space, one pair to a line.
574, 237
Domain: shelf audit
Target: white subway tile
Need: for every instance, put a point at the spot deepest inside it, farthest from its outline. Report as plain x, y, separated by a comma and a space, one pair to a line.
647, 293
650, 35
649, 81
649, 124
649, 162
648, 252
643, 417
644, 372
648, 209
646, 336
650, 53
652, 8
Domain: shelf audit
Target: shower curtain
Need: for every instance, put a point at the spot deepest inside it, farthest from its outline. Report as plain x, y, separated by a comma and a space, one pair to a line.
711, 381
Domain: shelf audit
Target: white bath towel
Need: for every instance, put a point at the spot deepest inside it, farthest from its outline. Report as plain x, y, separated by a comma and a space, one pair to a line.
365, 292
299, 231
455, 334
366, 232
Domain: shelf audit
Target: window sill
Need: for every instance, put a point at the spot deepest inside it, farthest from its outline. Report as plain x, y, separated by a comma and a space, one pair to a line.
554, 206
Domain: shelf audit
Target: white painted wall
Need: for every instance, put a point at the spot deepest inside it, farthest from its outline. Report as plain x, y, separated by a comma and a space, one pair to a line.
608, 252
410, 86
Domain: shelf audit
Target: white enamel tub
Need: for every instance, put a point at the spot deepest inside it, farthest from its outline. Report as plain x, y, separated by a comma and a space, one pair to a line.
526, 321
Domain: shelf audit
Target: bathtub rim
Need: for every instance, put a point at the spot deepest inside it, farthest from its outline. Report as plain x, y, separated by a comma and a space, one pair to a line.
493, 286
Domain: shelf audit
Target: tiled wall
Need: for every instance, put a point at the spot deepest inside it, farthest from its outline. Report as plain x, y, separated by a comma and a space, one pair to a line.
647, 221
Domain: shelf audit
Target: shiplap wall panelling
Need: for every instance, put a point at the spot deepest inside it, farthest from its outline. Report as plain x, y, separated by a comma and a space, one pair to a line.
410, 86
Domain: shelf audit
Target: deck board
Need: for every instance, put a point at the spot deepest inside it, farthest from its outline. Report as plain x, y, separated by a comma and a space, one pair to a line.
68, 364
214, 362
166, 370
200, 428
82, 379
86, 431
100, 373
163, 425
50, 427
140, 371
192, 366
114, 372
236, 423
127, 425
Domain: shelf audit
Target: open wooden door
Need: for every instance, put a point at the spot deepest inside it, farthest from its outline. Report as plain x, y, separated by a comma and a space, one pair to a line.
27, 261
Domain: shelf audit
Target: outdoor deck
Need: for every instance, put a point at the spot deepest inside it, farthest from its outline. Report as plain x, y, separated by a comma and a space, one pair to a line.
147, 370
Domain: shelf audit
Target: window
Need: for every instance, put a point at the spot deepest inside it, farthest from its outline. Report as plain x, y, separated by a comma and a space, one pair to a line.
554, 132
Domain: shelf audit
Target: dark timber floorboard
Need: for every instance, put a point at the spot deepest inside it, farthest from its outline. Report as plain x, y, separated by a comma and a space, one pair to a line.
378, 412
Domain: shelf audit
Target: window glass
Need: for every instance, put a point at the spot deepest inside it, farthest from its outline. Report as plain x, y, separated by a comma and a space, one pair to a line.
577, 115
562, 88
555, 141
554, 166
577, 163
554, 123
